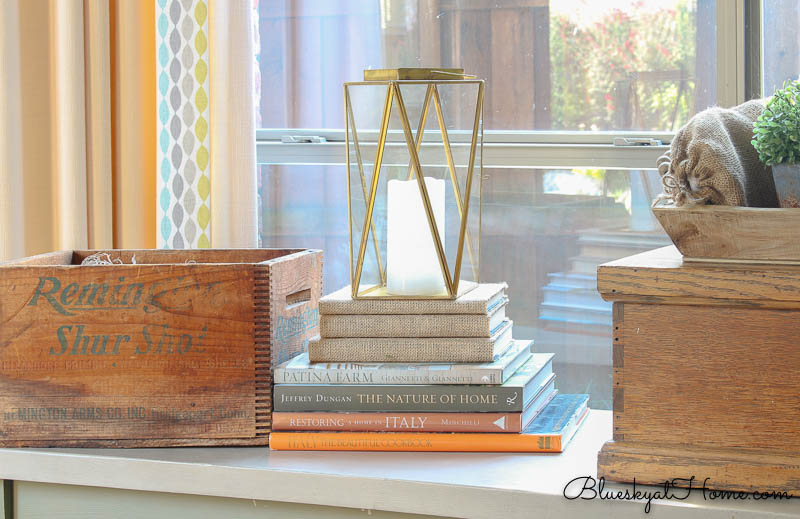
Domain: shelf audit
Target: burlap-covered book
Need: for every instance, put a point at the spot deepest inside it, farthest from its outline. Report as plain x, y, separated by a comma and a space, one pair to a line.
479, 300
412, 349
413, 325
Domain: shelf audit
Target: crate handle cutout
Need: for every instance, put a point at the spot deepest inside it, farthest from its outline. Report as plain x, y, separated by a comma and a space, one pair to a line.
298, 298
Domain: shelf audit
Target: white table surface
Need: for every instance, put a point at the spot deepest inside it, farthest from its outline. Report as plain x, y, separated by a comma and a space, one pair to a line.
509, 486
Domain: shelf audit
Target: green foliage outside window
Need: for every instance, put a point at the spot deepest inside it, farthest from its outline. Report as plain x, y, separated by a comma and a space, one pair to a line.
627, 71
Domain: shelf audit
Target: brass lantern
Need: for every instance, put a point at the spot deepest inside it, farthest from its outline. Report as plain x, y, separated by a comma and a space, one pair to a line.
414, 197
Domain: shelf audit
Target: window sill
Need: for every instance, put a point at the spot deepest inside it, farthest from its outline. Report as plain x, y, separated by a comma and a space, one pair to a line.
442, 484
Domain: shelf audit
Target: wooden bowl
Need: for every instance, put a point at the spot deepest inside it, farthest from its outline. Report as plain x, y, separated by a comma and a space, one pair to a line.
726, 233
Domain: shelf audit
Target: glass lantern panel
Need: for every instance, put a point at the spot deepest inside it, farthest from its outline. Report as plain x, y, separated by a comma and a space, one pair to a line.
459, 103
413, 262
364, 111
424, 127
430, 126
445, 153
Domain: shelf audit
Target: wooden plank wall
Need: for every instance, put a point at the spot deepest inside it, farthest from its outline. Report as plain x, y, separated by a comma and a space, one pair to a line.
508, 44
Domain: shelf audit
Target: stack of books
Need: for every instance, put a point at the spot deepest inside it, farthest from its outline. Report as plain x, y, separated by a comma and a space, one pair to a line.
471, 328
401, 374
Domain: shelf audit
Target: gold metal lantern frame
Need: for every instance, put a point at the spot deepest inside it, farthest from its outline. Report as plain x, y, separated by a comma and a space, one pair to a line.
367, 171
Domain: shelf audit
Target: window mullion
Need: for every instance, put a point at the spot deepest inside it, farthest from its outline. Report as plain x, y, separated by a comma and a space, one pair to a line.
495, 155
753, 50
730, 52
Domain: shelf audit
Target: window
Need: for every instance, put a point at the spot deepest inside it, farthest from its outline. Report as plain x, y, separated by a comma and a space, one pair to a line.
781, 49
574, 88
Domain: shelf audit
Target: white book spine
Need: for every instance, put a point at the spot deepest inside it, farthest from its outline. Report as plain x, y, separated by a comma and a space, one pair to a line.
366, 373
453, 375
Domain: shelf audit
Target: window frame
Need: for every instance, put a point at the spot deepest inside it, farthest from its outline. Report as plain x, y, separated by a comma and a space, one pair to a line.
501, 149
542, 149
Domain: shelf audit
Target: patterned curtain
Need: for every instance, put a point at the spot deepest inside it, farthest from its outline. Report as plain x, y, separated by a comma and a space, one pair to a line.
207, 183
126, 124
184, 184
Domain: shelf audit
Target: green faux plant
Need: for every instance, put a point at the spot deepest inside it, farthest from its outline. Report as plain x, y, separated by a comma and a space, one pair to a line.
777, 130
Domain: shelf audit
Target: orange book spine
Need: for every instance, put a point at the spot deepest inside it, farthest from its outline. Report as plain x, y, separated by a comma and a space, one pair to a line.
415, 442
398, 422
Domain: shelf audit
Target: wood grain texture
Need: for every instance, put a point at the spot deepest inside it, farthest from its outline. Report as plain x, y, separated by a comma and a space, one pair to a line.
429, 34
50, 258
169, 256
287, 293
662, 276
262, 338
738, 470
472, 46
713, 376
542, 84
126, 351
173, 350
516, 26
618, 365
295, 284
739, 233
706, 372
255, 441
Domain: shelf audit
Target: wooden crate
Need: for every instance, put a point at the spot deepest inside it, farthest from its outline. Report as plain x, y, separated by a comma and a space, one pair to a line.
706, 372
174, 349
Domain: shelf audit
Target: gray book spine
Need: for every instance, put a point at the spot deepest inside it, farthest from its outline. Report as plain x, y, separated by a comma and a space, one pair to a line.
297, 397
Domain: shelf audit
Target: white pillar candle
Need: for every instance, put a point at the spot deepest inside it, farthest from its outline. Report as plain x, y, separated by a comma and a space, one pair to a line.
412, 265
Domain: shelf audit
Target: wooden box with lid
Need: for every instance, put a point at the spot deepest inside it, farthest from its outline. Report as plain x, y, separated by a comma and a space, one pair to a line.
706, 372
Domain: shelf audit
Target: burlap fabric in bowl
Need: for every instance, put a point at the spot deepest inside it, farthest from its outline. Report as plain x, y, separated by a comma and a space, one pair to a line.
712, 161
